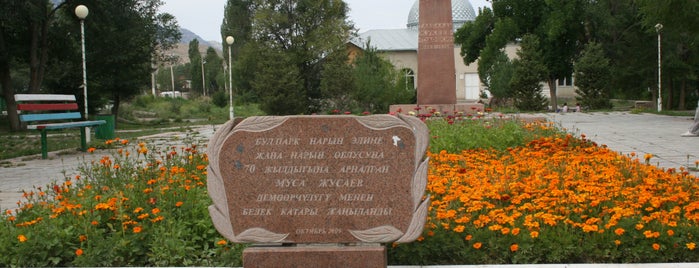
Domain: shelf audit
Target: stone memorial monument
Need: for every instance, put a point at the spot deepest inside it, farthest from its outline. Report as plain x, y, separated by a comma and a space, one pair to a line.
435, 54
303, 186
436, 88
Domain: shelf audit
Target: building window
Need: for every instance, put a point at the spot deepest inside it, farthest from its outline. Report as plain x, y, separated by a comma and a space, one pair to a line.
409, 79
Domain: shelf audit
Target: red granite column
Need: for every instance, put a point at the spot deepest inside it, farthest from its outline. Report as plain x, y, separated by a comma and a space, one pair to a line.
436, 70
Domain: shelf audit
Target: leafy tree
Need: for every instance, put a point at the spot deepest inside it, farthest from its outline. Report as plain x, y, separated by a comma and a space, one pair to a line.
123, 39
529, 71
25, 26
680, 36
305, 32
629, 47
277, 81
500, 77
337, 82
375, 83
592, 74
237, 22
213, 72
195, 67
557, 24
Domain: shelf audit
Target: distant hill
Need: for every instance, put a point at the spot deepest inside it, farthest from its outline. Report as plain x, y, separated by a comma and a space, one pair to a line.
181, 50
188, 36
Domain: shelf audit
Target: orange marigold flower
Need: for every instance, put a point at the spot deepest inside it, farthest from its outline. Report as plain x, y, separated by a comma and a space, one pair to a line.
201, 167
619, 231
82, 238
155, 211
137, 229
656, 246
670, 232
617, 242
22, 238
514, 247
79, 252
179, 203
639, 226
477, 245
468, 237
94, 223
459, 229
221, 242
91, 149
691, 246
534, 234
515, 231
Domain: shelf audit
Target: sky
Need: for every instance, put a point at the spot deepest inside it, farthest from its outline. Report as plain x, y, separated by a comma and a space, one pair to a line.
204, 17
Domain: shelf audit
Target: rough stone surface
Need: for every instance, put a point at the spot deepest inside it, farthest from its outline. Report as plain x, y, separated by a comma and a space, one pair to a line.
328, 256
437, 72
319, 179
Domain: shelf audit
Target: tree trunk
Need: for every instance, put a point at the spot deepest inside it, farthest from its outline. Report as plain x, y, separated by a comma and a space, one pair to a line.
115, 109
6, 84
683, 94
552, 89
667, 104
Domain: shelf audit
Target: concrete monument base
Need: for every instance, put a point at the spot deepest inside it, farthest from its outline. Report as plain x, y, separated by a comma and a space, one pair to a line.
444, 109
315, 256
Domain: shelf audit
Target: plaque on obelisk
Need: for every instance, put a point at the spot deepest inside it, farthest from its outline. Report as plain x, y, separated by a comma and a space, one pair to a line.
437, 73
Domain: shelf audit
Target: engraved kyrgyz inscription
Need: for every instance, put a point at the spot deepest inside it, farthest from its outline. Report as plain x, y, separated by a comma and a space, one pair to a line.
334, 178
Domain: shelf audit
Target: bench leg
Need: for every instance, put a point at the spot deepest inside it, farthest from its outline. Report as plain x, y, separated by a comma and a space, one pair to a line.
83, 139
44, 145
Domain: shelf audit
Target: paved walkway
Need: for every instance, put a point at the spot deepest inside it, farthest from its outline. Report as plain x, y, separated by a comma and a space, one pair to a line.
642, 134
621, 131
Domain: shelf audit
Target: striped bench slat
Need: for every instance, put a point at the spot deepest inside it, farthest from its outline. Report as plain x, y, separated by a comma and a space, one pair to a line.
47, 106
67, 125
52, 116
44, 97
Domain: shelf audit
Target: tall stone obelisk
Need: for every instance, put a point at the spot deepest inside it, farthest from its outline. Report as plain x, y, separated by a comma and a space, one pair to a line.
435, 55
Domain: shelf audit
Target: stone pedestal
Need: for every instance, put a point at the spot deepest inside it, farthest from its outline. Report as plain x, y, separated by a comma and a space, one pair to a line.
315, 256
435, 54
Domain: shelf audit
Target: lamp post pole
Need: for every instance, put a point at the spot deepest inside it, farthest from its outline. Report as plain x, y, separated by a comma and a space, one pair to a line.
230, 41
81, 12
658, 29
203, 79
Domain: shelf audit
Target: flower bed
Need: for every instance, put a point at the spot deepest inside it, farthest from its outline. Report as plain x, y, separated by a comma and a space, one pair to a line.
518, 193
558, 199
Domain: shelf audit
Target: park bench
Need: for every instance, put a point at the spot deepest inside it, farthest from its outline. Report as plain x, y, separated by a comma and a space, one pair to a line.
45, 112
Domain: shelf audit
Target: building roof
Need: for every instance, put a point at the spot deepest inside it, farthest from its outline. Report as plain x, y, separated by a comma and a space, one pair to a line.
388, 39
407, 39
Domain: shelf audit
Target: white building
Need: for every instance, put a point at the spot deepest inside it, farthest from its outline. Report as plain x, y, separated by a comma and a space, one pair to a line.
399, 46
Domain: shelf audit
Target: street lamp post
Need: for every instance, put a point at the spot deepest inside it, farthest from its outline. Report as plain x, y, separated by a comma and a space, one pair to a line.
658, 29
230, 41
81, 12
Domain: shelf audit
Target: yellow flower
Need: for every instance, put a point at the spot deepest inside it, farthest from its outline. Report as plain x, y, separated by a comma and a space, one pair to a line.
22, 238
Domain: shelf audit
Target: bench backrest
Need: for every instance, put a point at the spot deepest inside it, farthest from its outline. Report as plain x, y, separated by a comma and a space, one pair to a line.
46, 107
